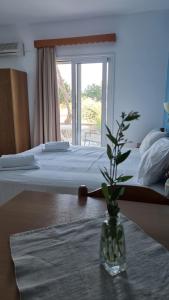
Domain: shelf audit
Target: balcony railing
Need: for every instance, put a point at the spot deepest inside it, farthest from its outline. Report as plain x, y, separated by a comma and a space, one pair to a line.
90, 134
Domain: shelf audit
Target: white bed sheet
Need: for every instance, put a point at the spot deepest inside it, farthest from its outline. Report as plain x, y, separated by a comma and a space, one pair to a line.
64, 172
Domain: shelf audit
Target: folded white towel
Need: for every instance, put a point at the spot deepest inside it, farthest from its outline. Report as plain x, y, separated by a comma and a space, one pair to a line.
55, 150
52, 146
31, 167
17, 160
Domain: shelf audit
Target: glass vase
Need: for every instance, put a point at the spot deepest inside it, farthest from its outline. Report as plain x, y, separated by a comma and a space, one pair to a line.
112, 246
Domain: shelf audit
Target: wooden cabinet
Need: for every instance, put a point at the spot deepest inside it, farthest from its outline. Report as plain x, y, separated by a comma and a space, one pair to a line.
14, 112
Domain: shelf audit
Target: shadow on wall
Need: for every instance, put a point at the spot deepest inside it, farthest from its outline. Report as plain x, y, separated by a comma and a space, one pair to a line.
166, 114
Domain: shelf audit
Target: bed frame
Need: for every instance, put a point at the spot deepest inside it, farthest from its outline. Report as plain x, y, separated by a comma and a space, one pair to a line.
131, 193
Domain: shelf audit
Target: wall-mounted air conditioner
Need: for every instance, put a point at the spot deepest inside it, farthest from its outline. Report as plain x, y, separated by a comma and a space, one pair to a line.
7, 49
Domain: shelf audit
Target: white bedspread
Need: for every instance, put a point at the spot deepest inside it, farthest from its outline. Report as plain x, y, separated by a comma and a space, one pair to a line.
64, 172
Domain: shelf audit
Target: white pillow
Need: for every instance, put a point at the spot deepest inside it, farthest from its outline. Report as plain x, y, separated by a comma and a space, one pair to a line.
154, 162
150, 139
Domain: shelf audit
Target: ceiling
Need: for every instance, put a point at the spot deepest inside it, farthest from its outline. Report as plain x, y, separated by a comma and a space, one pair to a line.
35, 11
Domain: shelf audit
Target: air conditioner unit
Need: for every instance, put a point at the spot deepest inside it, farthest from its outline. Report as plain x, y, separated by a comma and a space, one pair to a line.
7, 49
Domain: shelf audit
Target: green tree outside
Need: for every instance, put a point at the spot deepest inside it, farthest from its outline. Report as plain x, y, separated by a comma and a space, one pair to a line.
91, 102
93, 91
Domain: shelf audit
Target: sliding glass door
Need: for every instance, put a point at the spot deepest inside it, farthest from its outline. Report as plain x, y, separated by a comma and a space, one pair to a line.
83, 95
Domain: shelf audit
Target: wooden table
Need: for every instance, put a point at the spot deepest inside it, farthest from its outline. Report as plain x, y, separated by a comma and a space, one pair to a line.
30, 210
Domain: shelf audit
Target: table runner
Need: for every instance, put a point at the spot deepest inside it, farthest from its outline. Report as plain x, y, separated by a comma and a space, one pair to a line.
62, 262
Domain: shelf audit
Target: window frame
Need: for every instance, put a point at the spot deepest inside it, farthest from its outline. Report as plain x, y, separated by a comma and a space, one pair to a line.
108, 89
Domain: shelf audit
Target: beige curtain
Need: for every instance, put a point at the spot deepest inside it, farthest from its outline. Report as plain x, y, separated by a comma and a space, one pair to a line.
47, 116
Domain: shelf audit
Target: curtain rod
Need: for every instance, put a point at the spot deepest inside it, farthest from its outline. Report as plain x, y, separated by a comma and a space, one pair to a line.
111, 37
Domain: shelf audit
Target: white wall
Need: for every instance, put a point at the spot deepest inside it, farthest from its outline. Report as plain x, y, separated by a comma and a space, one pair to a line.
141, 54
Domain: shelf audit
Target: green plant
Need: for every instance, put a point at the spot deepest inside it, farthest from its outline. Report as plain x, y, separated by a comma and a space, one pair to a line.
93, 91
91, 111
110, 189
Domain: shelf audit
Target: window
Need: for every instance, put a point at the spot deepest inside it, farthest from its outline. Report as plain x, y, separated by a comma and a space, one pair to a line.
86, 99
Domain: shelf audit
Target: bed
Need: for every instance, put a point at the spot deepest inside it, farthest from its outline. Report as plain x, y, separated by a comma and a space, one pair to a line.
64, 172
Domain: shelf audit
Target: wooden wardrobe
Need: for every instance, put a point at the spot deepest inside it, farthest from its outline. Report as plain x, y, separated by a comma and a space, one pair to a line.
14, 112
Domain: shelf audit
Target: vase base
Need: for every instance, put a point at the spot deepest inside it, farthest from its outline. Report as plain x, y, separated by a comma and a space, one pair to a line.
115, 269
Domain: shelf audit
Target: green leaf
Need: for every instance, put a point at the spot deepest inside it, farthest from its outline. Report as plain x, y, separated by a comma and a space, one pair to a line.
110, 136
123, 114
109, 152
121, 144
123, 178
118, 123
126, 127
112, 139
122, 156
121, 135
133, 115
106, 175
105, 191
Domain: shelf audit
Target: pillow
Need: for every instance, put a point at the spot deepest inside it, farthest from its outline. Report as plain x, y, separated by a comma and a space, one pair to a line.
150, 139
154, 162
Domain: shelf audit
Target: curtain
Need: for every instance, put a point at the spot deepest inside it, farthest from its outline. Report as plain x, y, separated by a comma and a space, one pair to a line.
47, 116
166, 117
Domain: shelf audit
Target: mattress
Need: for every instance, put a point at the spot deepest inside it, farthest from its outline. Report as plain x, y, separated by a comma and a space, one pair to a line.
64, 172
